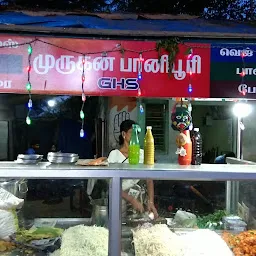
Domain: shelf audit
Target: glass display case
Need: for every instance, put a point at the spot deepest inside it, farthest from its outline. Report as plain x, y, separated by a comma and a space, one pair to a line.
109, 212
241, 195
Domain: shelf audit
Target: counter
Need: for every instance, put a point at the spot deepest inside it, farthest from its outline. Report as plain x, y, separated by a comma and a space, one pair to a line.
116, 172
205, 172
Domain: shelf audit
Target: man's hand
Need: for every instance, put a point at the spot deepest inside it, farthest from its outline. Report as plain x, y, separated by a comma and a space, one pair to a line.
151, 208
137, 205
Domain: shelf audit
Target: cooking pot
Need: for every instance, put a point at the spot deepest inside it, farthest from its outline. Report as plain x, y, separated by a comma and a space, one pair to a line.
18, 188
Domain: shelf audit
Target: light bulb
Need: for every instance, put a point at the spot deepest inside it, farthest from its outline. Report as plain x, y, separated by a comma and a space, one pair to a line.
190, 54
139, 92
141, 109
82, 114
81, 133
140, 57
242, 74
51, 103
242, 109
139, 76
30, 103
83, 97
190, 88
28, 86
28, 120
30, 50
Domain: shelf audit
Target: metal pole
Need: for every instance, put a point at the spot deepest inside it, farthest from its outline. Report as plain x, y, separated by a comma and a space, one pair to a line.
228, 196
235, 184
238, 141
115, 225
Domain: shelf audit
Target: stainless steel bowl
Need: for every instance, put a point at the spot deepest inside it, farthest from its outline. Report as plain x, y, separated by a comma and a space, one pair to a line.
66, 155
29, 157
63, 160
28, 161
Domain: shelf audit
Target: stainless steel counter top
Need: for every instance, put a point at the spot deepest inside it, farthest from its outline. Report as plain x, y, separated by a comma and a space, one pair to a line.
158, 171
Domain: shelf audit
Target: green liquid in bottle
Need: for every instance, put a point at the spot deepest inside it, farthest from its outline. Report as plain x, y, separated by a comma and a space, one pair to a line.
134, 147
134, 154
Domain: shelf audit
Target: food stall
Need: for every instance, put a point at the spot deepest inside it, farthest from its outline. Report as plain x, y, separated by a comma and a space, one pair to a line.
167, 68
115, 173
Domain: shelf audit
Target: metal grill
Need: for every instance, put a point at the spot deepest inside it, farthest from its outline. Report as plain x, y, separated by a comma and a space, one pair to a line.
155, 117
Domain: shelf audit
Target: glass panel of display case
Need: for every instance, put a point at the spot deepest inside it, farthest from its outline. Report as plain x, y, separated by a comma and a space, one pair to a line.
247, 202
72, 209
188, 212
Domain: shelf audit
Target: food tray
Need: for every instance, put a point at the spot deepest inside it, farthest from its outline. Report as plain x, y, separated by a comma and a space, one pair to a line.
86, 162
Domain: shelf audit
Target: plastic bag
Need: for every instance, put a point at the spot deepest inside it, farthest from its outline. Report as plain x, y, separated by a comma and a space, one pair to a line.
185, 219
8, 217
8, 223
8, 201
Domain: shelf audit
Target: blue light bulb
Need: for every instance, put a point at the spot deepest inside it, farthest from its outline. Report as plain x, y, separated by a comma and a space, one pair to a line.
81, 133
190, 88
30, 103
139, 76
141, 109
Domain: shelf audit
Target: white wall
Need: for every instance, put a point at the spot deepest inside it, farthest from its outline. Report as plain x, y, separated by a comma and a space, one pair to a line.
120, 109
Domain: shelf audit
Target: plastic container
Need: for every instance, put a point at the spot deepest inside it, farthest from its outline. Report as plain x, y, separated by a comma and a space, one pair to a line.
234, 223
149, 147
134, 147
186, 160
197, 147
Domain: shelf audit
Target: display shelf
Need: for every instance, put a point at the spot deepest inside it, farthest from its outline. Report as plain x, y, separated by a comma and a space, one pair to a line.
207, 172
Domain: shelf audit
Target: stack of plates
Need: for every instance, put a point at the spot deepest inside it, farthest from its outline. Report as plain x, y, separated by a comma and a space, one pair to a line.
29, 159
62, 158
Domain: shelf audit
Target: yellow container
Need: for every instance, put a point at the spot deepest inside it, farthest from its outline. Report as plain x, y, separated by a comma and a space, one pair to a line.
149, 147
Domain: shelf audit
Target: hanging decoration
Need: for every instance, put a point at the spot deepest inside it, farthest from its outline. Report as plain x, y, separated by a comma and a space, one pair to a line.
140, 103
29, 86
140, 66
140, 61
190, 71
171, 46
181, 121
83, 98
242, 74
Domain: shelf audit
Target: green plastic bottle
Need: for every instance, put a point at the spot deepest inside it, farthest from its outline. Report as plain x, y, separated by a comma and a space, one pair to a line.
134, 147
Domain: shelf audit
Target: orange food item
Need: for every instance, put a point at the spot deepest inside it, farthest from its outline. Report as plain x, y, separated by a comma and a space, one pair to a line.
243, 244
94, 162
6, 246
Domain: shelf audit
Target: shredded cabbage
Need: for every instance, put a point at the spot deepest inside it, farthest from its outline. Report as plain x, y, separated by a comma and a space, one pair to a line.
84, 240
157, 240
